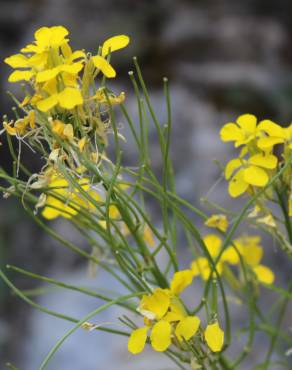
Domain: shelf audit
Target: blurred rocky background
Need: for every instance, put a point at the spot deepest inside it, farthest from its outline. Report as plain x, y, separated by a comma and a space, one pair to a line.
223, 58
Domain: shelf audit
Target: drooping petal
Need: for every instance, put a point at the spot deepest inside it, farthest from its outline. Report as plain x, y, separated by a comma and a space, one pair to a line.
256, 176
17, 61
231, 167
237, 185
231, 132
48, 103
104, 66
181, 280
161, 336
70, 98
213, 244
268, 161
114, 43
214, 337
187, 328
137, 340
20, 76
264, 274
271, 128
247, 122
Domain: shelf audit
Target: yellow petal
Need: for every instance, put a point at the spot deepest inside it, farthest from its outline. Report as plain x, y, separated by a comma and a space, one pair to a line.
104, 66
213, 244
271, 128
155, 305
114, 43
237, 185
176, 312
264, 274
230, 255
52, 209
265, 143
77, 55
200, 266
68, 131
217, 221
252, 254
51, 36
268, 161
248, 122
47, 75
137, 340
74, 68
187, 328
70, 98
256, 176
20, 76
231, 167
181, 280
31, 118
231, 132
48, 103
9, 129
214, 337
148, 236
17, 61
161, 336
81, 143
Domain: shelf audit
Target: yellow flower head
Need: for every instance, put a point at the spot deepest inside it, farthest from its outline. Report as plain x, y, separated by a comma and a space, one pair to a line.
219, 222
256, 171
252, 253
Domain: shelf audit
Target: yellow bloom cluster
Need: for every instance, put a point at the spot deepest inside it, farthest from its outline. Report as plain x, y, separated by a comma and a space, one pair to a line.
256, 162
167, 319
248, 247
53, 69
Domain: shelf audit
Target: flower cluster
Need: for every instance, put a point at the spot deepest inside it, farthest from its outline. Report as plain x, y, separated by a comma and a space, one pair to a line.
247, 248
66, 115
54, 70
168, 321
257, 162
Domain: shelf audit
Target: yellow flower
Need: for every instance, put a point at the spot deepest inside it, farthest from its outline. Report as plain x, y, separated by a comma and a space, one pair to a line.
69, 98
19, 128
46, 38
110, 45
255, 171
181, 280
219, 222
214, 337
156, 305
246, 130
165, 315
187, 328
65, 201
201, 265
252, 254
